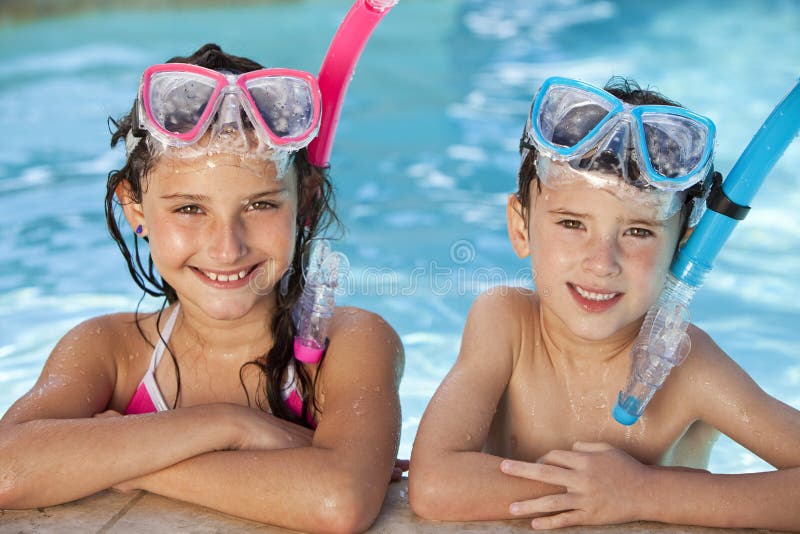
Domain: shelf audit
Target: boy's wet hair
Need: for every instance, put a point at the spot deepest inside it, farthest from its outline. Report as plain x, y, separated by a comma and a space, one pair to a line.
315, 213
630, 92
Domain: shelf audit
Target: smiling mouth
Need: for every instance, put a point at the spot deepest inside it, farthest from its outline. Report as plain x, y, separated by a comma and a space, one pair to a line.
592, 295
227, 276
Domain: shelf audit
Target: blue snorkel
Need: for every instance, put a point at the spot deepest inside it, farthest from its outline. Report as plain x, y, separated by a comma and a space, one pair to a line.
663, 342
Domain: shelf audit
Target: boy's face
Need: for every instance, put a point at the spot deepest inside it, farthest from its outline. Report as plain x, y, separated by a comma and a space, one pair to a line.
599, 257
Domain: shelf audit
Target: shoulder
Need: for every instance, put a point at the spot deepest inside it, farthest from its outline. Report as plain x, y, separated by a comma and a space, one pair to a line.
110, 340
503, 314
362, 337
709, 375
352, 322
705, 355
81, 375
99, 333
509, 304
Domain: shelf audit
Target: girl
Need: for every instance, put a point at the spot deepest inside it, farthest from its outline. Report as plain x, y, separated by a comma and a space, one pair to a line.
218, 183
611, 181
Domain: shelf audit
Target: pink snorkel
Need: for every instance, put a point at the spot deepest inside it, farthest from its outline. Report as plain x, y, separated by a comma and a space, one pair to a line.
316, 305
337, 69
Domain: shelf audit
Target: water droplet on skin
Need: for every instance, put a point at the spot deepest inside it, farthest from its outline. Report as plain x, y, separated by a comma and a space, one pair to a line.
469, 436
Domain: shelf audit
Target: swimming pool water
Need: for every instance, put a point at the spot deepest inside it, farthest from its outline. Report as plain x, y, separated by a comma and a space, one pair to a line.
424, 159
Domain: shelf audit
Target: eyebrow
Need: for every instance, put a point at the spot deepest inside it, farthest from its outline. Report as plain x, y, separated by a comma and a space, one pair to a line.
567, 213
190, 197
640, 221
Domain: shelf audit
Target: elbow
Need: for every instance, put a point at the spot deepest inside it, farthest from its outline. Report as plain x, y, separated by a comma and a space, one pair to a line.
350, 507
11, 495
426, 497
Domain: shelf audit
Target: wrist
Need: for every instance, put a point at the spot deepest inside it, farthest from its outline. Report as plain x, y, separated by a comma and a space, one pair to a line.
220, 419
649, 501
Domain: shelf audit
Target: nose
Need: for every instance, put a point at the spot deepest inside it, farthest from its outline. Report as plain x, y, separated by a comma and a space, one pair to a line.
227, 242
602, 257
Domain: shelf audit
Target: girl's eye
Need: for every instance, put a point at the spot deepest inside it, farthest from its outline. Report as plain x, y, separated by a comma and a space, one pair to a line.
262, 205
639, 232
189, 210
571, 224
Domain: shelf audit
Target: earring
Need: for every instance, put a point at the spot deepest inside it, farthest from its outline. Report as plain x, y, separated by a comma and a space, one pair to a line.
139, 230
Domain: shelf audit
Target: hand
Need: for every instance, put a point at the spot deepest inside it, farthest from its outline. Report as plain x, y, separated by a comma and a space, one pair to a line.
400, 467
602, 486
107, 413
257, 430
127, 485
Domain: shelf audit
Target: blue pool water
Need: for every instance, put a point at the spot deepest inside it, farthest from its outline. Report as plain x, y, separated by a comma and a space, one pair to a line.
424, 159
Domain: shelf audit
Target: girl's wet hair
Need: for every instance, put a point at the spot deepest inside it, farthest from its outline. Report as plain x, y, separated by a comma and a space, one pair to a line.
629, 92
315, 213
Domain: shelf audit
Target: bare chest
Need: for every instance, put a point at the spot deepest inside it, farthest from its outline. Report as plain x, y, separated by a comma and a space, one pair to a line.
545, 411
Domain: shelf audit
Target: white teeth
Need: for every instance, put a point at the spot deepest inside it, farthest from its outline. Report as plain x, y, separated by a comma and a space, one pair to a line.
225, 277
594, 296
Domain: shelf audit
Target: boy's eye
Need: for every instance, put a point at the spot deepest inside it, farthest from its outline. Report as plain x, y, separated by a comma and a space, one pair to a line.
639, 232
189, 210
571, 224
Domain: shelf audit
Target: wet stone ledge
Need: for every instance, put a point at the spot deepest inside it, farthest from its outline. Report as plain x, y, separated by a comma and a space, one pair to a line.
137, 512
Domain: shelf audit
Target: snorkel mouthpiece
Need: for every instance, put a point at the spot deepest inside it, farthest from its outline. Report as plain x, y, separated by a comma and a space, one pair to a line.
315, 308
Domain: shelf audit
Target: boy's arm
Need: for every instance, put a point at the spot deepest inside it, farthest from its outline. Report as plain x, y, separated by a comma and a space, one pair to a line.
605, 485
727, 398
450, 478
337, 484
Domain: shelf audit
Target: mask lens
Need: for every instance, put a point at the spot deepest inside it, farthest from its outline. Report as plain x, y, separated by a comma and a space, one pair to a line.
284, 103
675, 144
178, 100
567, 115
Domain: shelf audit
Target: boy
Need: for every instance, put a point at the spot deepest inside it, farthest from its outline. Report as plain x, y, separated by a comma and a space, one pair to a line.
522, 425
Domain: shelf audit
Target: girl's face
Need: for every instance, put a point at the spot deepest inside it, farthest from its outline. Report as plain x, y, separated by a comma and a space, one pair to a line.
221, 230
600, 258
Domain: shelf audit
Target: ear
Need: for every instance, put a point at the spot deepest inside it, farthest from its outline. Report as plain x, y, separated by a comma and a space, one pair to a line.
517, 227
132, 210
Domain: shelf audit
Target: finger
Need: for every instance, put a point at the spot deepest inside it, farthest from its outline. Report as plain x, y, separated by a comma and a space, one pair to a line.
402, 464
565, 459
545, 504
591, 446
397, 474
565, 519
543, 472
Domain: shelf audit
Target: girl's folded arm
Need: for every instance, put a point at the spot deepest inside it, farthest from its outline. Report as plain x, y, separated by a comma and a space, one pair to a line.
336, 485
52, 450
450, 477
732, 402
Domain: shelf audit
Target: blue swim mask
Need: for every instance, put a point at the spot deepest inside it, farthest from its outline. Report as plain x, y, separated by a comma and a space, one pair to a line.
658, 148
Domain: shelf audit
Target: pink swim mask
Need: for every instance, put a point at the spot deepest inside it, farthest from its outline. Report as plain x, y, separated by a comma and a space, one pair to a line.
267, 110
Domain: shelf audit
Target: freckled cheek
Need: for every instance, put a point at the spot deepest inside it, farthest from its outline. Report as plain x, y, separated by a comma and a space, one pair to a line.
172, 241
550, 259
274, 233
650, 269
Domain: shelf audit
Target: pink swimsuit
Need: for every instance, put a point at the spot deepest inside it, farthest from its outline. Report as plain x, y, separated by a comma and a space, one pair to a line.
148, 397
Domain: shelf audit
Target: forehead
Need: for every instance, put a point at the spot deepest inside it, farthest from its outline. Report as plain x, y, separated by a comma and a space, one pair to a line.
606, 200
222, 170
